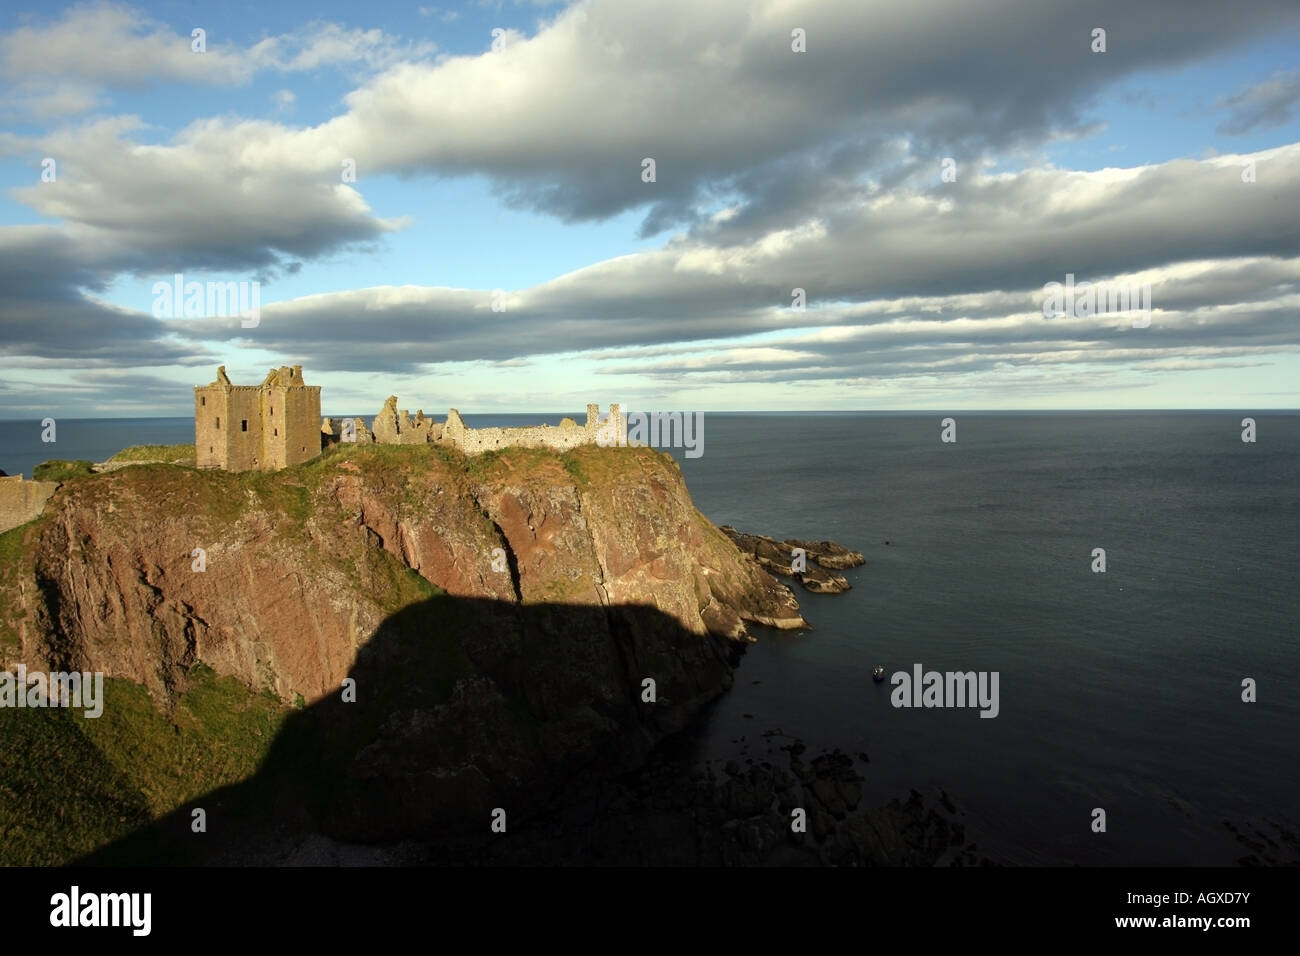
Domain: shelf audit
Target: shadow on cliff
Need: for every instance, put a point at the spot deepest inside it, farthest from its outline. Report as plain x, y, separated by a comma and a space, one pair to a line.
461, 706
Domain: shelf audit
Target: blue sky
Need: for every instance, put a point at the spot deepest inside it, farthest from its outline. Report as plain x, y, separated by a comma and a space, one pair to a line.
519, 169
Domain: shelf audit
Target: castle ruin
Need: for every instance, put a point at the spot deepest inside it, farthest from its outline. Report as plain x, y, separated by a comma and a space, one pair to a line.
257, 427
278, 423
396, 427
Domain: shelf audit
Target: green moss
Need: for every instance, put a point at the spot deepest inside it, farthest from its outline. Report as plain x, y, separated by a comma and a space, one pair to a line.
56, 469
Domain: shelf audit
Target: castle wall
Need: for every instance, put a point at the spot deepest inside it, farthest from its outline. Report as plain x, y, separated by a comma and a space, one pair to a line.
302, 428
475, 441
243, 428
275, 436
209, 441
22, 501
293, 424
393, 427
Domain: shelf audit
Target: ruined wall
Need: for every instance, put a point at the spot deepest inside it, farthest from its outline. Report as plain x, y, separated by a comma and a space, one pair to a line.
394, 427
332, 431
474, 441
22, 501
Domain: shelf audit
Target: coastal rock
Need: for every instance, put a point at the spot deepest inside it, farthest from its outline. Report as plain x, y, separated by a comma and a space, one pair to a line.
829, 554
777, 557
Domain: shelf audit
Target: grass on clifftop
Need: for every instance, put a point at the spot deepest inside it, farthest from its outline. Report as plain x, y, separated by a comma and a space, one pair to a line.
175, 454
57, 469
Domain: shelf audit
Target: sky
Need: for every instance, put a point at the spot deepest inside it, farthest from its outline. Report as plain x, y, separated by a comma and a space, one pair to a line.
515, 206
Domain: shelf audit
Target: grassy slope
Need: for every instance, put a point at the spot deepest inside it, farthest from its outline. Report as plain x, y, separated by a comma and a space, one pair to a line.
70, 784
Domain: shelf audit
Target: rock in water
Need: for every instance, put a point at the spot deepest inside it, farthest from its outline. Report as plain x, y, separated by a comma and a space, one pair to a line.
821, 559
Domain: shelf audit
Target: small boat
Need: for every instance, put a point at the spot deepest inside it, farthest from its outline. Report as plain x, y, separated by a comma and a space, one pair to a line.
878, 674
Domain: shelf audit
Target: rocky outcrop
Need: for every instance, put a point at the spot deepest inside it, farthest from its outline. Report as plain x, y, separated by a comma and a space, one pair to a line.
821, 559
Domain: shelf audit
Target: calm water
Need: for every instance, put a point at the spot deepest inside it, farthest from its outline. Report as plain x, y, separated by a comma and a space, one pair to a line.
1118, 690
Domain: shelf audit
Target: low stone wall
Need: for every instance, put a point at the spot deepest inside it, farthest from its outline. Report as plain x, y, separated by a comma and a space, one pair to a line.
475, 441
22, 501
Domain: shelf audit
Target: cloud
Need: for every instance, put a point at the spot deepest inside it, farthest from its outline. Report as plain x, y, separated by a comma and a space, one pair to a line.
106, 45
896, 284
284, 100
951, 277
1270, 103
561, 121
223, 195
775, 170
51, 315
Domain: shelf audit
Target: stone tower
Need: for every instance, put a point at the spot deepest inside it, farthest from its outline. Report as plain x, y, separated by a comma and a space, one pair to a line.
257, 427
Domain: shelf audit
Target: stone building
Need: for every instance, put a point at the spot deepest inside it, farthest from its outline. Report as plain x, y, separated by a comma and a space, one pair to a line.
257, 427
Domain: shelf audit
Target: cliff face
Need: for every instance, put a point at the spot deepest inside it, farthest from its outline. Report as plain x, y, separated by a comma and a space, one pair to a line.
522, 597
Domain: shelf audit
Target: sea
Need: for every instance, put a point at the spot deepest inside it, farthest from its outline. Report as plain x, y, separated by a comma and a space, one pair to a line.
1118, 691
